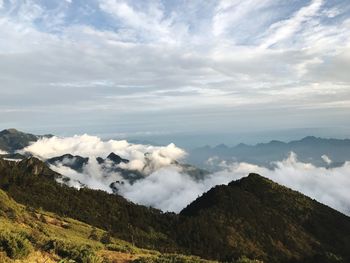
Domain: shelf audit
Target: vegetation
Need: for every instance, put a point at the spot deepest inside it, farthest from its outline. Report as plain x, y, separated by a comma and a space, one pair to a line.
16, 245
250, 220
25, 237
146, 227
263, 220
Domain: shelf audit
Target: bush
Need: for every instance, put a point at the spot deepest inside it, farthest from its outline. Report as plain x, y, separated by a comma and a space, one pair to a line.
16, 245
106, 238
69, 251
93, 235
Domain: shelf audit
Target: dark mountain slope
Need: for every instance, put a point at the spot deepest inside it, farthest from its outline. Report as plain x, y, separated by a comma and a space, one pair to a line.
261, 219
116, 159
74, 162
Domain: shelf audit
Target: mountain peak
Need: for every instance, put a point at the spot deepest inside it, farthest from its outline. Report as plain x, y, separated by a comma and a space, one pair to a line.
116, 158
309, 138
12, 140
253, 179
267, 215
35, 166
221, 146
9, 131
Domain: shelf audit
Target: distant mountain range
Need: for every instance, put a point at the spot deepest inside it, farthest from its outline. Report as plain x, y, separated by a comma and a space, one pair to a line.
250, 218
318, 151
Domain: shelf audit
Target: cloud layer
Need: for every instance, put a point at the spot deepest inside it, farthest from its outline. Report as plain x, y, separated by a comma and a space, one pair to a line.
166, 185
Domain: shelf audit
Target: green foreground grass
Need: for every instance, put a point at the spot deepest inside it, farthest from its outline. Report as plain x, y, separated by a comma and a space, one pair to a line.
29, 235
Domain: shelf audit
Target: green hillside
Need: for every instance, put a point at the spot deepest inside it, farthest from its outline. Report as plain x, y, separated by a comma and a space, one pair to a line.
30, 235
259, 218
249, 218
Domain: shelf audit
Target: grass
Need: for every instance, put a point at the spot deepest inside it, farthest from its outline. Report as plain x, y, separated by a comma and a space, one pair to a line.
29, 235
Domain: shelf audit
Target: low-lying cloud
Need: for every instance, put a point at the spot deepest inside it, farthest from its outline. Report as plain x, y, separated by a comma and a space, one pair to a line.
167, 186
145, 158
170, 190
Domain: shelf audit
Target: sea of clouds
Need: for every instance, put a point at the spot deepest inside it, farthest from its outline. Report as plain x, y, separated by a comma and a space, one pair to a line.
166, 185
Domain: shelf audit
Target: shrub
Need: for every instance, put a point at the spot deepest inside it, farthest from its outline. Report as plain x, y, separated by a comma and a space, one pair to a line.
69, 251
106, 238
16, 245
93, 235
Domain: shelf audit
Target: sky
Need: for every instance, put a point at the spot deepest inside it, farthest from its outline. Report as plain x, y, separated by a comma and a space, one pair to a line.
176, 69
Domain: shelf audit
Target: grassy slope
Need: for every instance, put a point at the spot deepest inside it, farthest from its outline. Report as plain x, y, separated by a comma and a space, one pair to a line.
45, 237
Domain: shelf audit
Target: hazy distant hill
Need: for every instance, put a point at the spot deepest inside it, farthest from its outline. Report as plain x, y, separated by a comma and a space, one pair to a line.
12, 140
251, 217
309, 149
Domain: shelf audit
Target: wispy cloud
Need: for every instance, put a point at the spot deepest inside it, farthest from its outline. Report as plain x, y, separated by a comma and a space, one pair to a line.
285, 29
222, 56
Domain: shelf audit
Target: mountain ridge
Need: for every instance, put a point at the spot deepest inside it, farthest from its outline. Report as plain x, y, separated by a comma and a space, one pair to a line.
293, 223
309, 149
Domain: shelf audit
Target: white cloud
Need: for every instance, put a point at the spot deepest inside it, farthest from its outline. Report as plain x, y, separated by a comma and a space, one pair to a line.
92, 176
2, 152
145, 158
230, 14
326, 159
149, 23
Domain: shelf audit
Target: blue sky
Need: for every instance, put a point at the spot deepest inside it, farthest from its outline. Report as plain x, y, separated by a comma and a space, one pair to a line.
171, 68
